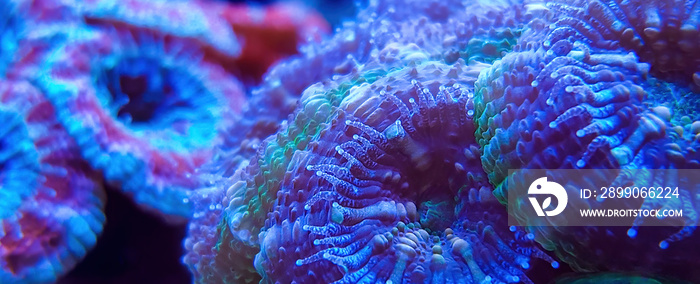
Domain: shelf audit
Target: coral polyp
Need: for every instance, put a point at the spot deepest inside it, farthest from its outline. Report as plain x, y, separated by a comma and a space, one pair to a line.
144, 108
52, 200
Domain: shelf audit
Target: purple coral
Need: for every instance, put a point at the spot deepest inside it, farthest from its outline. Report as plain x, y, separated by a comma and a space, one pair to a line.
381, 196
571, 95
360, 52
369, 181
662, 33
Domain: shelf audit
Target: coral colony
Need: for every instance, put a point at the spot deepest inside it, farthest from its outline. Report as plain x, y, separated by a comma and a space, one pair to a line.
376, 153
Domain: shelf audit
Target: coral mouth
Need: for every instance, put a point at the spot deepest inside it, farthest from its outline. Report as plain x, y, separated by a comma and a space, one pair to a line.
149, 95
137, 107
437, 213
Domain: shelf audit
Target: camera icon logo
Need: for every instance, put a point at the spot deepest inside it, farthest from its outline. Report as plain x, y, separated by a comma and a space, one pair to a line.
542, 186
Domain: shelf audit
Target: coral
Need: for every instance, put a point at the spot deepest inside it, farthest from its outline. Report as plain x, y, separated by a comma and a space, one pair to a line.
144, 108
243, 39
369, 48
662, 33
142, 98
342, 189
377, 193
160, 88
209, 243
331, 145
51, 208
572, 95
29, 31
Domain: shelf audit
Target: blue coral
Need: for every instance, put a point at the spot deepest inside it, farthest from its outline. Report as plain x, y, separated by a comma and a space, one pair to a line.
360, 52
51, 209
362, 205
341, 190
573, 95
662, 33
355, 203
145, 108
152, 87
